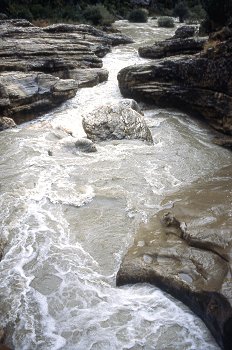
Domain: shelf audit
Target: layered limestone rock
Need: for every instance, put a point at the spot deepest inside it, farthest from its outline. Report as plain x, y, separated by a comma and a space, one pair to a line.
25, 95
116, 121
184, 42
187, 253
172, 47
57, 49
46, 61
202, 83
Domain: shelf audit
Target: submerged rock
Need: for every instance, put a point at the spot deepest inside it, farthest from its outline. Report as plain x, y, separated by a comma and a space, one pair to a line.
116, 121
85, 145
75, 144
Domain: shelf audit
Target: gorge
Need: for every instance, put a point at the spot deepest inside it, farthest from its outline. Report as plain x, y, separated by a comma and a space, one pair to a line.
68, 217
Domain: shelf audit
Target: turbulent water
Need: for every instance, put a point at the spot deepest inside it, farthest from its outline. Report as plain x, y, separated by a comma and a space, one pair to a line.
69, 218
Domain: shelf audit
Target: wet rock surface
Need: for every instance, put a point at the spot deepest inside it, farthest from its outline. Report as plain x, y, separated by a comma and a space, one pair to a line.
85, 145
186, 32
200, 83
56, 54
116, 121
184, 42
225, 141
24, 95
6, 123
172, 47
2, 246
187, 253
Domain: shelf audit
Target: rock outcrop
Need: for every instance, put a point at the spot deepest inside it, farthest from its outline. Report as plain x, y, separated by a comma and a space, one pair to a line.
187, 253
186, 32
116, 121
85, 145
178, 265
23, 96
201, 83
172, 47
184, 42
38, 66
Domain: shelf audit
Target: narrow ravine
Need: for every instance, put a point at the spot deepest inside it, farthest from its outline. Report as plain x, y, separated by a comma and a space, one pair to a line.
69, 218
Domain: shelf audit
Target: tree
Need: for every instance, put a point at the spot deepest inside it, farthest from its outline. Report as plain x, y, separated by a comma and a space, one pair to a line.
181, 10
219, 12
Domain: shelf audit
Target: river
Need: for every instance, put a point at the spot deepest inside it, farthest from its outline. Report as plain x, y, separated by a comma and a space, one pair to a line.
69, 218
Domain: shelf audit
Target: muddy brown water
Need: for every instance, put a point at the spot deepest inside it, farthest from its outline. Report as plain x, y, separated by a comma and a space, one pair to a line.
70, 217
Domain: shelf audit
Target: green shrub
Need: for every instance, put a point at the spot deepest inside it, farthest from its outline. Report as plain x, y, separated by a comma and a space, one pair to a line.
20, 11
166, 22
219, 12
138, 16
98, 15
198, 12
40, 12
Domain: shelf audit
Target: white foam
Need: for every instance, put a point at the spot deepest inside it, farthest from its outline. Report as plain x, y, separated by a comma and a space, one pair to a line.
69, 219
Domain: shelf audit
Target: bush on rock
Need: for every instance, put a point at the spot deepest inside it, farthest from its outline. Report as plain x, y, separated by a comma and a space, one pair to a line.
166, 22
98, 15
138, 16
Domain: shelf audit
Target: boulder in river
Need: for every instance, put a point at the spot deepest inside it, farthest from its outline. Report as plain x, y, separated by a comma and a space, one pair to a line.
75, 144
85, 145
116, 121
186, 32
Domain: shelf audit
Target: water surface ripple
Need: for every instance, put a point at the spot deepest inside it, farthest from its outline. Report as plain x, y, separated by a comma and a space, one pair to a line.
69, 219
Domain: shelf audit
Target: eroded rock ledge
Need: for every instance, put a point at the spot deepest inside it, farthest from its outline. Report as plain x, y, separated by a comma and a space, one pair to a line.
184, 42
42, 67
201, 83
186, 255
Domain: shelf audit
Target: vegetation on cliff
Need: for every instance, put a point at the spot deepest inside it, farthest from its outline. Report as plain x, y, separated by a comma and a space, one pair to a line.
100, 12
218, 13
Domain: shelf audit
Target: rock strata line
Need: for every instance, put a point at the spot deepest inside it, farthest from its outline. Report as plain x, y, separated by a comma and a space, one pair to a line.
42, 67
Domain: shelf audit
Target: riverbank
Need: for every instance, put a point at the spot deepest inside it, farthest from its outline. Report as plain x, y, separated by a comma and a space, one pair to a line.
199, 83
43, 67
187, 266
69, 218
